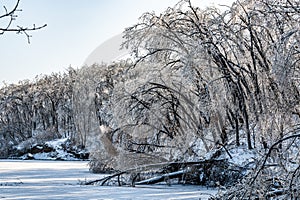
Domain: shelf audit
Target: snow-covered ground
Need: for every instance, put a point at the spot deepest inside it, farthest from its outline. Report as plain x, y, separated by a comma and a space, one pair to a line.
57, 149
32, 179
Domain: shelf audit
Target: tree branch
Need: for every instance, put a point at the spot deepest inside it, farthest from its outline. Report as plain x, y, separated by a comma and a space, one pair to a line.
18, 29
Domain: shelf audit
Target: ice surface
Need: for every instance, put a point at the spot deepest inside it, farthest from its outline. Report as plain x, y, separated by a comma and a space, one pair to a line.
32, 179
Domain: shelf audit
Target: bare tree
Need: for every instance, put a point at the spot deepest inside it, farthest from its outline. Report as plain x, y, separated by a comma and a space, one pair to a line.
9, 16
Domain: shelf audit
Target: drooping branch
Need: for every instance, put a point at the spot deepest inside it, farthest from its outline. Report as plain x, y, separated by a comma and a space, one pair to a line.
269, 153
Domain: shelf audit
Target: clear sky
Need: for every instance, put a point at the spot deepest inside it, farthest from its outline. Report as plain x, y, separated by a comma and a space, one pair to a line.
74, 29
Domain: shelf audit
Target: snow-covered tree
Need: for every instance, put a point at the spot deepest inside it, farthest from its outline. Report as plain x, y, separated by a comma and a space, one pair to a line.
204, 77
245, 58
42, 108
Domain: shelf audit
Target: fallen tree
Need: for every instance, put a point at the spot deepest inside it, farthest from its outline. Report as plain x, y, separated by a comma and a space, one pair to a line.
164, 177
212, 172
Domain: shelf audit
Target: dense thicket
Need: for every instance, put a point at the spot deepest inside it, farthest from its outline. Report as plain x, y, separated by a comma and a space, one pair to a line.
241, 65
205, 77
197, 80
42, 108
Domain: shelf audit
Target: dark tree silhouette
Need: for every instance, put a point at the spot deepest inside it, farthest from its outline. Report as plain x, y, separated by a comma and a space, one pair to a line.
9, 16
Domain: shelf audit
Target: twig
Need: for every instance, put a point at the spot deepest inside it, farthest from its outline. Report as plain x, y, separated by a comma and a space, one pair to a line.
269, 153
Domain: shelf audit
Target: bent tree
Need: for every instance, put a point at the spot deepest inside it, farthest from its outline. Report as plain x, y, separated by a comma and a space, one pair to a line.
240, 67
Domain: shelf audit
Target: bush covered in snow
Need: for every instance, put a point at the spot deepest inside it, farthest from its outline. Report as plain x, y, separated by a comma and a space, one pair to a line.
58, 149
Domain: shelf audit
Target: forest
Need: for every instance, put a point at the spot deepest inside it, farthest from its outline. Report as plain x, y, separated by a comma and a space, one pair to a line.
202, 89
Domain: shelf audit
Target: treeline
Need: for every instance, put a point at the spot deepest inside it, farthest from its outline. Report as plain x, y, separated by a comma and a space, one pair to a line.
36, 108
53, 106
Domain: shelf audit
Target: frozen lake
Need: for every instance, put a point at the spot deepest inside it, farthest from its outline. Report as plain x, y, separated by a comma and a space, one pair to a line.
33, 179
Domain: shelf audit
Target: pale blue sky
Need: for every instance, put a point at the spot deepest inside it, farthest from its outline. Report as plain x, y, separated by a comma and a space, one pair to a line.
75, 28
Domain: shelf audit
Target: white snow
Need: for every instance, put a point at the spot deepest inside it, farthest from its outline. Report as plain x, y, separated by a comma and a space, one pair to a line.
57, 142
58, 153
241, 156
32, 179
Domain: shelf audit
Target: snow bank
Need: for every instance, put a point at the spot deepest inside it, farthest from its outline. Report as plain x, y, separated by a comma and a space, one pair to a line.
58, 149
